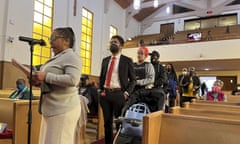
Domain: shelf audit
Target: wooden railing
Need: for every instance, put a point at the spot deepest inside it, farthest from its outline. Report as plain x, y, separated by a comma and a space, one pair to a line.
208, 34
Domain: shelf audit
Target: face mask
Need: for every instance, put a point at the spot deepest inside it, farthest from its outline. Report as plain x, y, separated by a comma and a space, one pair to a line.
216, 89
20, 86
191, 73
168, 69
153, 60
114, 48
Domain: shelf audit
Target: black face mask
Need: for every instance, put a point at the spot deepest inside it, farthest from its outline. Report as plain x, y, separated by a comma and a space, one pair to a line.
154, 60
191, 73
114, 48
168, 69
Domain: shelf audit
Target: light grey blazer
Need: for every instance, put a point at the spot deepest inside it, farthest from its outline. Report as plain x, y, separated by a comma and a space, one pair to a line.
59, 90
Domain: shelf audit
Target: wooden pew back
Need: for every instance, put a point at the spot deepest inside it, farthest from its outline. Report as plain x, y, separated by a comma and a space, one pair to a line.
217, 103
217, 107
160, 128
15, 114
206, 113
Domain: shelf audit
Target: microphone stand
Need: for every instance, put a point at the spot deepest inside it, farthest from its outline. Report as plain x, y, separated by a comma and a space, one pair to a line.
29, 122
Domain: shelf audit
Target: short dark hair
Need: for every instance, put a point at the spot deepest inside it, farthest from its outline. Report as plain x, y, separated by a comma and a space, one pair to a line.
120, 39
67, 33
20, 79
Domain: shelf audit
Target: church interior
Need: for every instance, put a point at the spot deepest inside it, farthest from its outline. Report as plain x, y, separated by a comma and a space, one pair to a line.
204, 34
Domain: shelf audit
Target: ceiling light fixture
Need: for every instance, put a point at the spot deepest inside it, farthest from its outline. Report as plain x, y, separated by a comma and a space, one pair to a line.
168, 10
136, 4
155, 3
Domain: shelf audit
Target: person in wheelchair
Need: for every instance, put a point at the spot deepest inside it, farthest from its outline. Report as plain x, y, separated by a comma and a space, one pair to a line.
145, 76
144, 71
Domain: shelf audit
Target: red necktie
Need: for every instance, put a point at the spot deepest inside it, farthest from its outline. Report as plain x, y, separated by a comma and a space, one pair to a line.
109, 74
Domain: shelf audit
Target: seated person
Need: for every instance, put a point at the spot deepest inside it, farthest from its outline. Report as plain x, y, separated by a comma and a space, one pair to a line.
89, 91
216, 94
145, 76
145, 73
22, 91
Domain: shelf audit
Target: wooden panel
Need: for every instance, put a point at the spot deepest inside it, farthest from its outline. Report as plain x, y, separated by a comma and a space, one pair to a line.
14, 113
100, 133
229, 108
152, 127
229, 82
208, 113
7, 112
5, 141
21, 119
182, 129
167, 29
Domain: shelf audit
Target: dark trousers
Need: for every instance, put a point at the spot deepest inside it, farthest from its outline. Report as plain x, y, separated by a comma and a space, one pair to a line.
185, 99
112, 105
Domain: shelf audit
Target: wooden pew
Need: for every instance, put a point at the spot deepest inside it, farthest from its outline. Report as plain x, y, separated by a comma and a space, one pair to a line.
162, 128
216, 103
218, 107
15, 114
231, 98
206, 113
5, 141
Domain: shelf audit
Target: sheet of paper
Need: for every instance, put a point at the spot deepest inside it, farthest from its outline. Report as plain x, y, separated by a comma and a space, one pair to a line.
20, 66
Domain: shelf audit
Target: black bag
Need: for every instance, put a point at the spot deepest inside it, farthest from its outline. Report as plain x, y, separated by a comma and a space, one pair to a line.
125, 139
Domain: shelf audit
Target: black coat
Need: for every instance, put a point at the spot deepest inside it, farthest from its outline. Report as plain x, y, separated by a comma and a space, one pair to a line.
185, 81
125, 70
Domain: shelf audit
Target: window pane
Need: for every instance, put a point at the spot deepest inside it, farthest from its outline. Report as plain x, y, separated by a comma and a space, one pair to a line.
113, 31
84, 12
46, 31
47, 11
47, 21
84, 37
42, 26
84, 29
36, 60
45, 52
38, 17
48, 2
38, 6
84, 21
86, 40
37, 50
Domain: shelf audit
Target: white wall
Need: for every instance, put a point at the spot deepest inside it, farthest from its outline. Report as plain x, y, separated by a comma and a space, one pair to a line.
178, 23
18, 22
17, 19
3, 11
132, 29
212, 50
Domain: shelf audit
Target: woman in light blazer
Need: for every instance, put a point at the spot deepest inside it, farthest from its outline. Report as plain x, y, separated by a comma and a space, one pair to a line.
59, 102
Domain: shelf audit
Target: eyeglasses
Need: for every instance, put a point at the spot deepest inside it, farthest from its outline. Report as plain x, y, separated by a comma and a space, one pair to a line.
53, 38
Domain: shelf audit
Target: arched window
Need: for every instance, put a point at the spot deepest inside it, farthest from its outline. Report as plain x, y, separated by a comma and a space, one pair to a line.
42, 27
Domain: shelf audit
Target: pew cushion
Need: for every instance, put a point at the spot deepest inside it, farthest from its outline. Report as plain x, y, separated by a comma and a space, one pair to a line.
6, 135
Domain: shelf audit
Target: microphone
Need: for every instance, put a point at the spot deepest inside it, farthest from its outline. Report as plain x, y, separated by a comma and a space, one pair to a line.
32, 41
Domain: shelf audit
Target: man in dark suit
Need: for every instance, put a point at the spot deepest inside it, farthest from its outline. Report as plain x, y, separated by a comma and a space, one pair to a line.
117, 81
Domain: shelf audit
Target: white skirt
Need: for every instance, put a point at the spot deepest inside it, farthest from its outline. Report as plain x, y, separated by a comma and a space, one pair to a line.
60, 129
